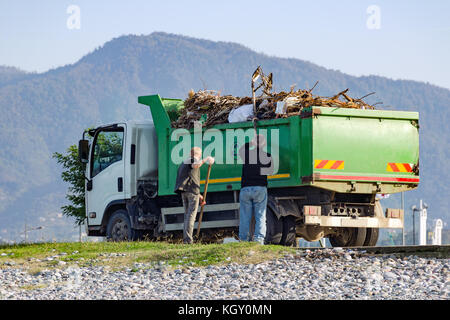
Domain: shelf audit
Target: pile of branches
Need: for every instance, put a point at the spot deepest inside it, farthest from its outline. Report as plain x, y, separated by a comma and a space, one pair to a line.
211, 108
296, 101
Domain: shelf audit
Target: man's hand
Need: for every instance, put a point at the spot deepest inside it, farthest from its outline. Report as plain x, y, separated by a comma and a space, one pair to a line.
202, 202
198, 164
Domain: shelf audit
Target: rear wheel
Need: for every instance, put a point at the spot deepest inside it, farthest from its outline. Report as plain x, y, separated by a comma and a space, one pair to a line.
288, 237
280, 231
371, 237
349, 237
274, 228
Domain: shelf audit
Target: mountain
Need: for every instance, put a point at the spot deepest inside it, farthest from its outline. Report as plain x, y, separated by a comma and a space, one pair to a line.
46, 112
11, 75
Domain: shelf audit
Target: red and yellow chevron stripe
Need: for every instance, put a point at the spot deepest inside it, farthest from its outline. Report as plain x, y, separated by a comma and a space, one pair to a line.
329, 164
399, 167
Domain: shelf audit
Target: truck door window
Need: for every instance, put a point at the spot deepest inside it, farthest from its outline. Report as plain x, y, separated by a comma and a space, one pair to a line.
108, 148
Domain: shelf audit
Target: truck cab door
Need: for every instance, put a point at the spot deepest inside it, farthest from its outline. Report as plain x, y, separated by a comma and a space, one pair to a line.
106, 172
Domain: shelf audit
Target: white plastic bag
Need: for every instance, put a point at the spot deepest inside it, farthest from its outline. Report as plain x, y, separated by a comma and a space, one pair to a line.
280, 108
240, 114
288, 102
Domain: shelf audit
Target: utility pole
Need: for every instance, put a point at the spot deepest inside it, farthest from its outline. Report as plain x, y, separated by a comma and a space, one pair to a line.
30, 229
423, 223
403, 209
414, 209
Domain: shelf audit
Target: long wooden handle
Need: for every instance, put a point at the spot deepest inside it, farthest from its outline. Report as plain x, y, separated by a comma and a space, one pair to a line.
204, 199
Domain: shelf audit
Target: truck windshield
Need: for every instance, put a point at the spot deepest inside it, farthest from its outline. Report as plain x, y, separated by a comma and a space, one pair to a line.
108, 147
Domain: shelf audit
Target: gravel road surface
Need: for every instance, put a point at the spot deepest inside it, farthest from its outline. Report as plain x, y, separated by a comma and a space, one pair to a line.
336, 273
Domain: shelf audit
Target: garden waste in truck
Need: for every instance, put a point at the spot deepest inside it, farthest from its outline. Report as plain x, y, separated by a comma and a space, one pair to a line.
330, 163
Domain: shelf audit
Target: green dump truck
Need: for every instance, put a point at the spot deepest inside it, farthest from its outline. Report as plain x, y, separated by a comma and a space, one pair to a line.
330, 164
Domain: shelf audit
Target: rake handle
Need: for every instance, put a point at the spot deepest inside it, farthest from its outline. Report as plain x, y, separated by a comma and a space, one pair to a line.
204, 199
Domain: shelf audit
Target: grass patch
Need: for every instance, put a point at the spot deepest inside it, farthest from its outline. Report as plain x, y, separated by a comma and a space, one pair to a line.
121, 254
34, 286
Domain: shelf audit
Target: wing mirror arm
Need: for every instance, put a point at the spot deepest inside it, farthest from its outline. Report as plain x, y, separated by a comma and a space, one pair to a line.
88, 184
83, 157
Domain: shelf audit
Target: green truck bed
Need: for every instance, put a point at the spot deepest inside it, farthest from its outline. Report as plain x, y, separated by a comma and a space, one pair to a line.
339, 149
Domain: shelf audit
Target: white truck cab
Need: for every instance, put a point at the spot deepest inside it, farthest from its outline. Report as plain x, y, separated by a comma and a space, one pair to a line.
120, 154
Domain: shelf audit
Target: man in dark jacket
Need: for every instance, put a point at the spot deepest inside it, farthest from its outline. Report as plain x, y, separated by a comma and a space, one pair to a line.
188, 186
257, 165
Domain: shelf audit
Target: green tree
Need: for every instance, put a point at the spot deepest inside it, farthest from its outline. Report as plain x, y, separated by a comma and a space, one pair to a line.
73, 173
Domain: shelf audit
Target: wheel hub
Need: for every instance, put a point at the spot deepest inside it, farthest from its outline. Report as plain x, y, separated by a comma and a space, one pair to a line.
120, 230
344, 235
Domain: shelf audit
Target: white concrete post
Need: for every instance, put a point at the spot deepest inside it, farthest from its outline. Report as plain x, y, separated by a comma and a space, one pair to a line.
437, 235
423, 225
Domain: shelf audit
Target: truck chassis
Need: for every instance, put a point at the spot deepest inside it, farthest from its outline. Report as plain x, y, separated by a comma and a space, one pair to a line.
301, 212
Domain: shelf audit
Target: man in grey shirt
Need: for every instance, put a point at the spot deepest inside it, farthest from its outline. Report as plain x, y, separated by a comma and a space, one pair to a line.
188, 186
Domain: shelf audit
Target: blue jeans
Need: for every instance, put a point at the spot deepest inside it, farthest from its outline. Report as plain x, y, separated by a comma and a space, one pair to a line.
252, 202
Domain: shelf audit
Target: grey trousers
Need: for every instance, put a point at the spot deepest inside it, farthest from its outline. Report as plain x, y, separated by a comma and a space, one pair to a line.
190, 204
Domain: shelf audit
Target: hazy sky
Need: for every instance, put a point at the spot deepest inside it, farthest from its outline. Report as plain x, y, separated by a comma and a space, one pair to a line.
397, 39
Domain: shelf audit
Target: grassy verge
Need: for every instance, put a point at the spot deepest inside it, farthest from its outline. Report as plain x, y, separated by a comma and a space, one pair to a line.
128, 254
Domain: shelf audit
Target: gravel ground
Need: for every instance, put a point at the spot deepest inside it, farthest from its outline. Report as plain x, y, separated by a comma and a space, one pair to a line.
336, 273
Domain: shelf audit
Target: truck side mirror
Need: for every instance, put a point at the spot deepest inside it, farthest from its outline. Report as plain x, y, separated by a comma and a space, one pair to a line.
83, 151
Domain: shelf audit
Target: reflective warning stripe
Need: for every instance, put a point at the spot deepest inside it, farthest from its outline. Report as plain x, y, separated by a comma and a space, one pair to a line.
237, 179
366, 178
399, 167
329, 164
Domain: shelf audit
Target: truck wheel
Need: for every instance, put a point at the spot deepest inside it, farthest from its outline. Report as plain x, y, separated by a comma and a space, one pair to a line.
371, 237
119, 227
349, 237
274, 228
359, 237
341, 239
288, 237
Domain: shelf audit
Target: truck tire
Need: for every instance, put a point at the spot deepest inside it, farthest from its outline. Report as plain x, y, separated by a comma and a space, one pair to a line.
359, 238
280, 231
349, 237
371, 237
119, 227
274, 228
288, 237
